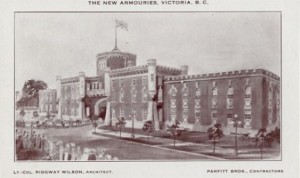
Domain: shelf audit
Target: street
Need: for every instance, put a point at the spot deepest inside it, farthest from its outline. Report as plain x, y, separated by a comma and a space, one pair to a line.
124, 150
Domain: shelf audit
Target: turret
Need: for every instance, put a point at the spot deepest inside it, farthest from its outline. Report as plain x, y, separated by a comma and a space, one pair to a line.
184, 69
151, 76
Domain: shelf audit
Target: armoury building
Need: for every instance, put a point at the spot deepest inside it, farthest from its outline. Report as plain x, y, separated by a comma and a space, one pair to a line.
165, 94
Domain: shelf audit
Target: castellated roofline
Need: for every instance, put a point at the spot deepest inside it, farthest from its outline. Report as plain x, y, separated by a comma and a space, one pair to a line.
234, 73
115, 54
133, 70
165, 68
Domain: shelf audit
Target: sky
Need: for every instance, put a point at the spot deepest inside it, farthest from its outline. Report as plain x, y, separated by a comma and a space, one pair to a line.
63, 44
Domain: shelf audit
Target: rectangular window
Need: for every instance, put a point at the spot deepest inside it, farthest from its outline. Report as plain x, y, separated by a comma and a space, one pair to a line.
229, 115
144, 81
229, 103
214, 114
121, 112
133, 82
152, 77
248, 116
145, 113
197, 113
121, 84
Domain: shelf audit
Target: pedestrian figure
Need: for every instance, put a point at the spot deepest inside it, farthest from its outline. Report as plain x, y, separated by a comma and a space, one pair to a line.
78, 153
92, 155
67, 155
85, 154
61, 150
73, 152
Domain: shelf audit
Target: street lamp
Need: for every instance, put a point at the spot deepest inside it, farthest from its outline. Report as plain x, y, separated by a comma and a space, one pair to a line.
236, 123
132, 127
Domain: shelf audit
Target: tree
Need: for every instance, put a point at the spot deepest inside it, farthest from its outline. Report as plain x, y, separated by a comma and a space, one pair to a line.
121, 122
175, 130
261, 135
148, 127
215, 133
30, 92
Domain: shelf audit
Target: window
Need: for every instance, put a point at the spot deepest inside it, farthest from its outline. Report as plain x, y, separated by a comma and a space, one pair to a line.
197, 93
134, 95
121, 84
230, 92
144, 81
248, 92
133, 82
100, 85
229, 103
152, 77
160, 95
145, 113
121, 95
214, 103
134, 114
215, 91
145, 95
121, 112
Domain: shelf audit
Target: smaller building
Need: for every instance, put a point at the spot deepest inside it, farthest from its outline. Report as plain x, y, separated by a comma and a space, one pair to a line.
48, 102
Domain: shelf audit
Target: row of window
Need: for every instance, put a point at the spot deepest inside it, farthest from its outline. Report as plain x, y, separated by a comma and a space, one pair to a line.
71, 111
134, 95
44, 108
48, 97
94, 86
133, 113
133, 82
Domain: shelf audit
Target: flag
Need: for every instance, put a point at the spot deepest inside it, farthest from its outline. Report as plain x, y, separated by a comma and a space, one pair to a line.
121, 24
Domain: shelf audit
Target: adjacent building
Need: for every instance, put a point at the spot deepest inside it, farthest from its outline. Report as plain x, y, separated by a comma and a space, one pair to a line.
48, 102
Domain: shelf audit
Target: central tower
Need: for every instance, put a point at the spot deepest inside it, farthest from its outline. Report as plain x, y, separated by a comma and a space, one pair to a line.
114, 60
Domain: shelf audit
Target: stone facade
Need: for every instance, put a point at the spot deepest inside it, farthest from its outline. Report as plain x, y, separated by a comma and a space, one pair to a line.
48, 101
203, 100
165, 94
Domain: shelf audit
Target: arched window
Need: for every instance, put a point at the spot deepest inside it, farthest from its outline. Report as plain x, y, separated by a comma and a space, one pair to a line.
134, 95
197, 104
214, 98
247, 107
121, 97
172, 93
248, 92
215, 91
230, 93
145, 95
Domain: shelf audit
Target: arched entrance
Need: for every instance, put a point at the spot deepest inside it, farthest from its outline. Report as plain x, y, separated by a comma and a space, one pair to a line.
100, 108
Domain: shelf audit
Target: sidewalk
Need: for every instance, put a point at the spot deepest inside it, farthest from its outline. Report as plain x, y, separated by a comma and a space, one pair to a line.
221, 153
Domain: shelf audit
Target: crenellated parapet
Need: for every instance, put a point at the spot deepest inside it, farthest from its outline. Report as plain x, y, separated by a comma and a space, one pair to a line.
115, 54
70, 80
233, 74
129, 71
92, 78
163, 70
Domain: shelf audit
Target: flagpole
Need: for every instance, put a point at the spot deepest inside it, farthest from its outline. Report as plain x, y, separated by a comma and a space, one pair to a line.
116, 47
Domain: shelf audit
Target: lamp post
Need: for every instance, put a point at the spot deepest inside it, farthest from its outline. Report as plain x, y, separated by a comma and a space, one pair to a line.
132, 128
236, 123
